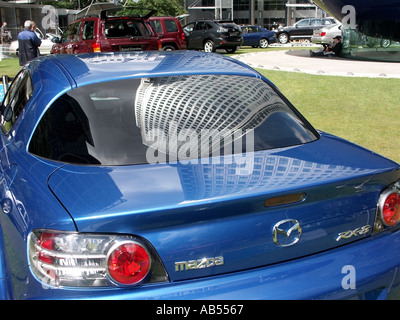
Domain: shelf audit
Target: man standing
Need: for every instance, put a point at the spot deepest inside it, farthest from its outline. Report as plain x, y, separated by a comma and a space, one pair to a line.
28, 43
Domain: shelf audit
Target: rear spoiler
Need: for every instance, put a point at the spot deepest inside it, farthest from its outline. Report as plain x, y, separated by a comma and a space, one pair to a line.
126, 12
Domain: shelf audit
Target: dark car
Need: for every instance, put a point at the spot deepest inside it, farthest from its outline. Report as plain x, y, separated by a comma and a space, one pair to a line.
302, 29
257, 36
209, 35
170, 31
105, 33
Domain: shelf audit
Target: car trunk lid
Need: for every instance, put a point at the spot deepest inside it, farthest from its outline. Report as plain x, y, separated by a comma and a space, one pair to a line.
208, 219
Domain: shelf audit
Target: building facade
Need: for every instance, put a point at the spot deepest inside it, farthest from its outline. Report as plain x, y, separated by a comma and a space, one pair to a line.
15, 15
267, 13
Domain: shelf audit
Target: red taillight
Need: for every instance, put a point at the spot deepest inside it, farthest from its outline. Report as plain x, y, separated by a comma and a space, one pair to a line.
183, 37
75, 259
322, 34
96, 47
128, 263
46, 241
390, 211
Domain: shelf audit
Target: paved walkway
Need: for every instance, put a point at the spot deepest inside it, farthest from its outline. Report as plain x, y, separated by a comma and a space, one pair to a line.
300, 61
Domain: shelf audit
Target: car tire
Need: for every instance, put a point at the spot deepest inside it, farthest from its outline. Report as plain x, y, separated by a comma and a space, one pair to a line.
230, 50
385, 43
283, 38
168, 47
263, 43
209, 46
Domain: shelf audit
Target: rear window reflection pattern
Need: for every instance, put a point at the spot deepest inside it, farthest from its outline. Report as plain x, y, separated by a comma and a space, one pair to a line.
118, 122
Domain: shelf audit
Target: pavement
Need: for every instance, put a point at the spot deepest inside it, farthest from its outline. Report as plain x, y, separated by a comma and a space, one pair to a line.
301, 61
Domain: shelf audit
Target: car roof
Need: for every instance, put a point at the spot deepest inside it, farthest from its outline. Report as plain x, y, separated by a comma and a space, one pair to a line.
90, 68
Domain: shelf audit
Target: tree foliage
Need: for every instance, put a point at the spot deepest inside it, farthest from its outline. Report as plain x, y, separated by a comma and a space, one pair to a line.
163, 7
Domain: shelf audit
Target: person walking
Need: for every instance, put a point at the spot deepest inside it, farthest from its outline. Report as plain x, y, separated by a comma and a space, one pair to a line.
28, 43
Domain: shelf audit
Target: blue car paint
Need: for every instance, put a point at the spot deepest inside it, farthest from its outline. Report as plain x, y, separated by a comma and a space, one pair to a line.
66, 206
198, 212
315, 277
253, 39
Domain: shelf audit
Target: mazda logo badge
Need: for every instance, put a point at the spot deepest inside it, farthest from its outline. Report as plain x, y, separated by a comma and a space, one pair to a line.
286, 233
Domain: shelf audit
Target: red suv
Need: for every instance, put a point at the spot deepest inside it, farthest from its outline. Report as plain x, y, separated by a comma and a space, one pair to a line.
106, 33
170, 32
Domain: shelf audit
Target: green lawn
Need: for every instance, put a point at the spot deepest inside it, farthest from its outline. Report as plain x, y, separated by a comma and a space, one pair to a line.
362, 110
9, 67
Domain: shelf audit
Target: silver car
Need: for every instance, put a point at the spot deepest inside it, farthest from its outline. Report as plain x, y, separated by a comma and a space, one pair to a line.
326, 34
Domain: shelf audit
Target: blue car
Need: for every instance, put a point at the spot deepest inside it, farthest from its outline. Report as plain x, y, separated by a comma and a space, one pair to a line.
184, 175
257, 36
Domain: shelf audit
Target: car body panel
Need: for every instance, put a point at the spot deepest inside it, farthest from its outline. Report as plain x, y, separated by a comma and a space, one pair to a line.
304, 28
188, 212
325, 35
83, 70
318, 276
170, 31
95, 34
198, 32
198, 212
253, 34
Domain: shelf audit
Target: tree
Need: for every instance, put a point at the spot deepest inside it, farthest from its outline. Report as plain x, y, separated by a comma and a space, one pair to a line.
164, 8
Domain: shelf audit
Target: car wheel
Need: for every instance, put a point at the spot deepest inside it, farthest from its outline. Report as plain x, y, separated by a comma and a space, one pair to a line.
263, 43
283, 38
230, 50
209, 46
385, 43
168, 47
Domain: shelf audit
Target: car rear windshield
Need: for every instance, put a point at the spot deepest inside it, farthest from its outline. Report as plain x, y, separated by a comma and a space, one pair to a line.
122, 28
161, 119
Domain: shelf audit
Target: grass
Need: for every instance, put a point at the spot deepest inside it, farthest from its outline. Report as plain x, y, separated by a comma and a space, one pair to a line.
362, 110
9, 67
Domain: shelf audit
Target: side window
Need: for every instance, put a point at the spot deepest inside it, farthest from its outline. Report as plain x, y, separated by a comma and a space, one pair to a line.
75, 31
87, 33
190, 27
14, 102
200, 26
303, 23
171, 26
156, 24
68, 126
66, 34
142, 28
316, 22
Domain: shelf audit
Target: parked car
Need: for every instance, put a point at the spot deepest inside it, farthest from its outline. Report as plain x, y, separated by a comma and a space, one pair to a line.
170, 31
302, 29
163, 175
45, 47
106, 33
257, 36
209, 35
326, 34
